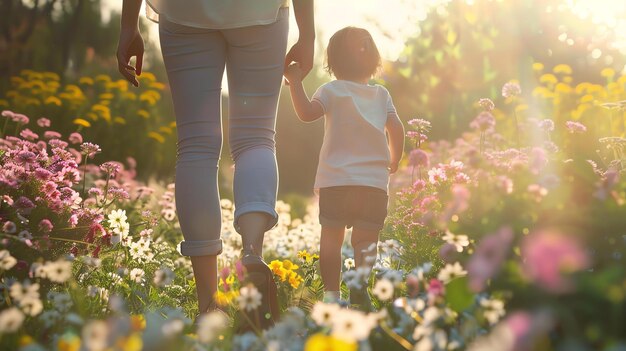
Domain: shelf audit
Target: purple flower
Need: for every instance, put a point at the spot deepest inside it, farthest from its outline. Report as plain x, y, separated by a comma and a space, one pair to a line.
23, 204
419, 158
575, 127
25, 157
42, 174
547, 125
488, 258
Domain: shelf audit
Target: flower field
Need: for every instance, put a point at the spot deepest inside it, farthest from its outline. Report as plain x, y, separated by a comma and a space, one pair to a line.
511, 237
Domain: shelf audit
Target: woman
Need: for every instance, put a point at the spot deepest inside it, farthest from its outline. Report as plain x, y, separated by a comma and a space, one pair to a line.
198, 40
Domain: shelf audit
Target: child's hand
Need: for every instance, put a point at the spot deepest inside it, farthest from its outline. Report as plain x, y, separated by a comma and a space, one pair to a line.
293, 73
393, 167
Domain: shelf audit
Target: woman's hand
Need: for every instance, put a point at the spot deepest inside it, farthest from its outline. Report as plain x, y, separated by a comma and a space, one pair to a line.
129, 45
302, 53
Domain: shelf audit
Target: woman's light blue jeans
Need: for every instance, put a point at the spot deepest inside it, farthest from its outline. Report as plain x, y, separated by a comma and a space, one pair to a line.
195, 59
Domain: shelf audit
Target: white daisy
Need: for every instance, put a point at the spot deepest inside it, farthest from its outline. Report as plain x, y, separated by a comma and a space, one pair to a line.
95, 335
249, 298
451, 271
116, 218
6, 260
59, 271
27, 291
163, 277
494, 310
351, 325
137, 275
11, 320
31, 306
383, 290
459, 241
211, 325
349, 263
324, 313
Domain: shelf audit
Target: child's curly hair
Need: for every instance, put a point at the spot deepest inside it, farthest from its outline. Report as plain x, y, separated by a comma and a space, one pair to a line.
352, 54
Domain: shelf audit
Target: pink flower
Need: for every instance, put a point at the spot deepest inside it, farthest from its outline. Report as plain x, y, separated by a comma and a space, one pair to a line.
57, 143
75, 138
73, 221
435, 287
29, 135
111, 167
485, 263
548, 256
484, 122
511, 89
89, 149
9, 227
45, 225
43, 122
20, 118
51, 134
23, 204
486, 104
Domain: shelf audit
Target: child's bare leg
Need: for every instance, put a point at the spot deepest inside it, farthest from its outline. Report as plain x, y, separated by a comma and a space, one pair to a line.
330, 257
365, 245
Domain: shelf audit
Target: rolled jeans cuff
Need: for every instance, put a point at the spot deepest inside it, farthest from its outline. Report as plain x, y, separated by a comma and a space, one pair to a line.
256, 207
201, 248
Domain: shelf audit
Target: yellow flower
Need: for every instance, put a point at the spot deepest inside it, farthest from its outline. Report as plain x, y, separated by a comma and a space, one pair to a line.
102, 78
147, 76
607, 73
143, 113
138, 322
82, 122
105, 96
51, 76
172, 124
156, 136
295, 279
538, 66
53, 100
157, 85
68, 342
119, 120
166, 130
303, 255
290, 266
563, 88
225, 298
86, 80
548, 78
276, 265
26, 340
562, 68
131, 343
586, 98
321, 342
230, 279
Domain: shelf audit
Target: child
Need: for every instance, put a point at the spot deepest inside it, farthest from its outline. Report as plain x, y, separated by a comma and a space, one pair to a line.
363, 144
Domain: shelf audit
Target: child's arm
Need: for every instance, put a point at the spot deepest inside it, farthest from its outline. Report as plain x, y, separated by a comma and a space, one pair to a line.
307, 110
395, 131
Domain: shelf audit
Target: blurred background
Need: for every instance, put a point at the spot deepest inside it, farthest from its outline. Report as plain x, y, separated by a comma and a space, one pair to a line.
57, 59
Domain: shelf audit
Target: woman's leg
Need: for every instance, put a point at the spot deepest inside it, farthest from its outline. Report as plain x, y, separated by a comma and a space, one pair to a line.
331, 241
255, 59
365, 245
194, 59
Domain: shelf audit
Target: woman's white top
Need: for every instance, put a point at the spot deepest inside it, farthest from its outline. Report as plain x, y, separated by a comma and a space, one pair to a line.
355, 149
215, 14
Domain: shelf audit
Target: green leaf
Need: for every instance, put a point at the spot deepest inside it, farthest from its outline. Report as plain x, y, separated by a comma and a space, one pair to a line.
458, 295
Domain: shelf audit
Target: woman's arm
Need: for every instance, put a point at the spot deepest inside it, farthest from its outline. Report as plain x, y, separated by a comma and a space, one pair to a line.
131, 42
302, 51
395, 131
307, 110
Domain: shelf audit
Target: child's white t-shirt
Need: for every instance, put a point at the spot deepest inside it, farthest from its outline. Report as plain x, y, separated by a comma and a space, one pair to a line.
354, 151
